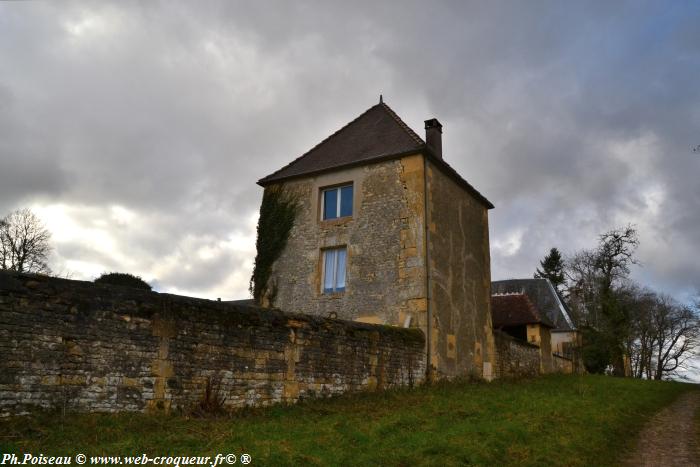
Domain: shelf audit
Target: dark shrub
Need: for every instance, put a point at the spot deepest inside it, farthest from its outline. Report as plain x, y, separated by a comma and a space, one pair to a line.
124, 279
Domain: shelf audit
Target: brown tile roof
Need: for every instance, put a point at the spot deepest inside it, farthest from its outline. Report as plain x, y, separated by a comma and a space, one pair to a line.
543, 295
515, 310
377, 134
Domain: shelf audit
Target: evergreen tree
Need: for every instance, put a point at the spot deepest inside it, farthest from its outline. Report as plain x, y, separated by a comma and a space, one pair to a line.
552, 268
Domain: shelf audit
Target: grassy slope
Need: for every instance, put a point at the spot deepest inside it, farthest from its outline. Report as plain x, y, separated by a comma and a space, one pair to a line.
555, 420
697, 429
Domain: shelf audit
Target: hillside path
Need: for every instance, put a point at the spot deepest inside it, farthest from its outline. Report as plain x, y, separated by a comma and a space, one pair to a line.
671, 437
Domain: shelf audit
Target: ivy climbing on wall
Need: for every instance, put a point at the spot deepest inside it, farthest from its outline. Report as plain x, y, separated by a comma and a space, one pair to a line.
277, 213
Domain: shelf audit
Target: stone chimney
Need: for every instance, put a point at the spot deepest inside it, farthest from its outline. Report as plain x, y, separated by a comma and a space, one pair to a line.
433, 136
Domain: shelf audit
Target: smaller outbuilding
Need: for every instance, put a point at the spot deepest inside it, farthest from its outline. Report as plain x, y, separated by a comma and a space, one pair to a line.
517, 316
566, 338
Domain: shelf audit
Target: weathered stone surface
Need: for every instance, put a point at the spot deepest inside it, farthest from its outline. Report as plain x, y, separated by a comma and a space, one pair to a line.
541, 336
89, 347
515, 358
562, 364
384, 239
388, 250
460, 279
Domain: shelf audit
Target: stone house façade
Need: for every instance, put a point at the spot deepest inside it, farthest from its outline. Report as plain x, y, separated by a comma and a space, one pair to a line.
388, 232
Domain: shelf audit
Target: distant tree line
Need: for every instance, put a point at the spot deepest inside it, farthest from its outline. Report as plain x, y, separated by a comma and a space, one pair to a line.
25, 247
627, 328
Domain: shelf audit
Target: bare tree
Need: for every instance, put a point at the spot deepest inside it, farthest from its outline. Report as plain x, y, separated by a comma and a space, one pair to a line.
582, 289
625, 326
662, 335
615, 255
24, 243
593, 275
677, 332
640, 303
595, 279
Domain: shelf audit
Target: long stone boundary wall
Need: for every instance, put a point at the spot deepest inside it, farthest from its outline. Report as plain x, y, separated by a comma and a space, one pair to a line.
515, 358
80, 346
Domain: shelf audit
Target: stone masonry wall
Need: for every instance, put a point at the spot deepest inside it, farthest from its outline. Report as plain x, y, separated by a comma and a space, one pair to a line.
562, 364
385, 278
88, 347
514, 358
460, 279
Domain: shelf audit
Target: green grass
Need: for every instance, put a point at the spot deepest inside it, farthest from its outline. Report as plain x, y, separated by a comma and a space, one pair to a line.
554, 420
697, 428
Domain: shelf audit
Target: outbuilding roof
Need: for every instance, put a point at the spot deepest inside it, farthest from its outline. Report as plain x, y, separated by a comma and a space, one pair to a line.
543, 295
516, 309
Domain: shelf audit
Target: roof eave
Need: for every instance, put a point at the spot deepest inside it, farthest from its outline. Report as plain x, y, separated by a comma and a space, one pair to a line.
425, 150
451, 172
523, 323
269, 180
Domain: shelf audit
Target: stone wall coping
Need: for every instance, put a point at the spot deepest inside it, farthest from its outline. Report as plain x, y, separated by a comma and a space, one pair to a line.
12, 282
556, 355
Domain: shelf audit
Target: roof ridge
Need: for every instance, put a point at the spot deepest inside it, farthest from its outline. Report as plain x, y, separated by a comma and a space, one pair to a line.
401, 123
351, 145
562, 306
323, 141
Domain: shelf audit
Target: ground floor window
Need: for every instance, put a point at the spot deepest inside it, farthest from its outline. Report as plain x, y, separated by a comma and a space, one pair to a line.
334, 260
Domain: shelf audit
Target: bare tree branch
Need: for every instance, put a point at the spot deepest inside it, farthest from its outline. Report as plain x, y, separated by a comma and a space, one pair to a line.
24, 243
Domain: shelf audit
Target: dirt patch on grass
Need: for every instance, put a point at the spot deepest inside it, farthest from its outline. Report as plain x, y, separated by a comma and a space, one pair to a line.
672, 436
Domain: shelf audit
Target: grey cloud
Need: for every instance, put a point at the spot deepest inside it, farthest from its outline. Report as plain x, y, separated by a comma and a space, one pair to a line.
563, 115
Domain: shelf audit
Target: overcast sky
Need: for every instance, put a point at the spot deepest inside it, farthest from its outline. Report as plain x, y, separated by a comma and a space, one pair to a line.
137, 130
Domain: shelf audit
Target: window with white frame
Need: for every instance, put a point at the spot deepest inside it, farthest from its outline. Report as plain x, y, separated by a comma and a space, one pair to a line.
337, 202
334, 260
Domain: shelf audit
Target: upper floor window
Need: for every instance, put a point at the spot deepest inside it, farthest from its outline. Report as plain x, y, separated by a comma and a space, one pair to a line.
337, 202
334, 261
